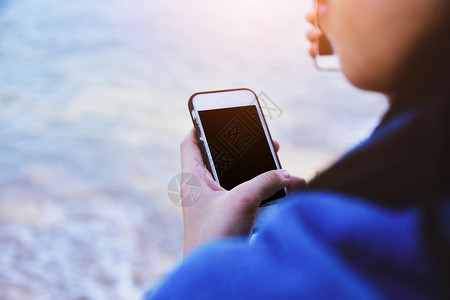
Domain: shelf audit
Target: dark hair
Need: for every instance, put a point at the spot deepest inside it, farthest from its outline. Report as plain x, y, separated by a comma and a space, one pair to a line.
426, 64
423, 105
406, 161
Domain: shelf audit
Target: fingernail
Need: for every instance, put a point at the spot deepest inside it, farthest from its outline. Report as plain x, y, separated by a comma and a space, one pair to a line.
285, 173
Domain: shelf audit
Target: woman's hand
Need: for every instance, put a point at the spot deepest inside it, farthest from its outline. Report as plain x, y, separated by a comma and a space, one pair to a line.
219, 213
313, 34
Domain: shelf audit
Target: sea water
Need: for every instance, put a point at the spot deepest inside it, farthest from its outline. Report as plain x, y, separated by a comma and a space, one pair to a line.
93, 106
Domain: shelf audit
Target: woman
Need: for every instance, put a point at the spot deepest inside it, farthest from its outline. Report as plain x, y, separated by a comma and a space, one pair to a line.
376, 223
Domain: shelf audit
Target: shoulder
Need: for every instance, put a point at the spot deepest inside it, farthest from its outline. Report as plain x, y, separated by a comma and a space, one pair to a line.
317, 245
381, 248
346, 225
334, 218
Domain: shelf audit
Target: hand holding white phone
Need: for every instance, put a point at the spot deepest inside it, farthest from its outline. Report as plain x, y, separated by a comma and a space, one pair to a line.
234, 137
218, 212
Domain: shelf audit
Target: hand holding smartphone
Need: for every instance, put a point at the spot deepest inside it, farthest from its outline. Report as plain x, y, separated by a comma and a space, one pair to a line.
326, 58
234, 138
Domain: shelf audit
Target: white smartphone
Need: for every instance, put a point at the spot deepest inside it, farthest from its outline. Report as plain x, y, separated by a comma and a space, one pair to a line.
233, 136
326, 58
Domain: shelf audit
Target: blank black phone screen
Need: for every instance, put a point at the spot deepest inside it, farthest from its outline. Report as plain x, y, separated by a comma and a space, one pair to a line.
238, 145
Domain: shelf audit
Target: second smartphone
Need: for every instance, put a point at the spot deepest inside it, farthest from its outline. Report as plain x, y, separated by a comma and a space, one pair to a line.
326, 58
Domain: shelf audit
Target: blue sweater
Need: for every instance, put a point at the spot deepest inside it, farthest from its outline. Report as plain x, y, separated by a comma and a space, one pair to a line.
316, 245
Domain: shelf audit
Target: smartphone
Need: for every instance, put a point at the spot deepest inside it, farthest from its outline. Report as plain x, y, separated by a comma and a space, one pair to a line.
326, 58
233, 137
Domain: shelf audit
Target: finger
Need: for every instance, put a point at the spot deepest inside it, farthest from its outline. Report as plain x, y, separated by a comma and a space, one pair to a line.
313, 34
276, 145
313, 50
296, 183
311, 17
192, 161
252, 192
191, 157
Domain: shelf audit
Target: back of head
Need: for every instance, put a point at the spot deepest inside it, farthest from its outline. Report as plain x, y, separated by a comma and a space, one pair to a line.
406, 162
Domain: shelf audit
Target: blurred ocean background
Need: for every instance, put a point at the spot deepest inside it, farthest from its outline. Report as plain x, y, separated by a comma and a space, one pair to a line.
93, 106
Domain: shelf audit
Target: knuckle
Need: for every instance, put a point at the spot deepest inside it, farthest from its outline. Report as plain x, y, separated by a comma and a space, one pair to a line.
272, 178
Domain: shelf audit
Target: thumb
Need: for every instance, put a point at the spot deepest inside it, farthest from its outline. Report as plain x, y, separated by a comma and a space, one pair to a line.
254, 191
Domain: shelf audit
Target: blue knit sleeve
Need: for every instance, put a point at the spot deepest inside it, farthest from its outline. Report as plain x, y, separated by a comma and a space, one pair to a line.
316, 246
